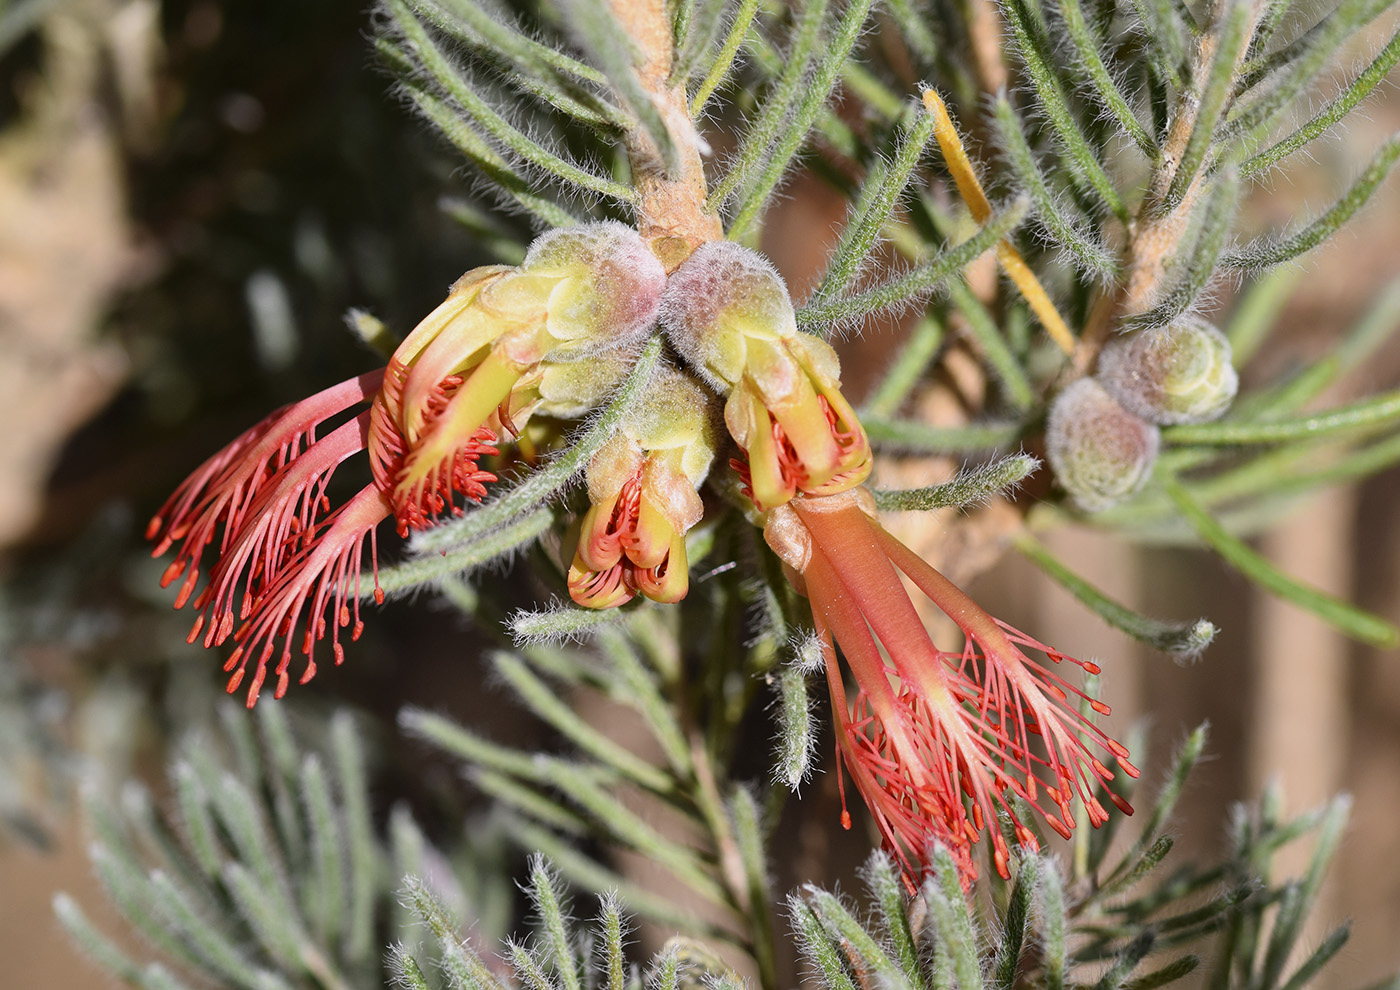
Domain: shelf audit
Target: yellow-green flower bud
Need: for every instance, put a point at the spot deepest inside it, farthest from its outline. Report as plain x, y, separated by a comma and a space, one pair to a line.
1100, 452
580, 292
604, 286
1182, 373
643, 486
727, 311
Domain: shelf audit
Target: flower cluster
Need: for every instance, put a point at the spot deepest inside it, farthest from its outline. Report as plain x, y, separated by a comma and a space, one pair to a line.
643, 489
941, 744
506, 342
1102, 437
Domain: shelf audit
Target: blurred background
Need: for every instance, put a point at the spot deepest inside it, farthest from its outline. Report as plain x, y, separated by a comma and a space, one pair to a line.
193, 194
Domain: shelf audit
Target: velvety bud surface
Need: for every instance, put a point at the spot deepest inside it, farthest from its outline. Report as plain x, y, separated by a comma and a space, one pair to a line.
1183, 373
605, 285
1100, 452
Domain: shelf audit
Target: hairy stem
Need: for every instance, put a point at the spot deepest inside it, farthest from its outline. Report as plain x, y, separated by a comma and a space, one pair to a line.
670, 208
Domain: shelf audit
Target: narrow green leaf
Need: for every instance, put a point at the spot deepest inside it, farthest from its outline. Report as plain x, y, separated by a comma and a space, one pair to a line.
525, 800
820, 948
887, 890
884, 184
324, 896
1294, 68
1378, 410
1319, 957
723, 61
1331, 114
463, 966
944, 894
746, 824
352, 782
490, 29
561, 623
490, 545
777, 105
1268, 251
1170, 973
457, 86
1139, 868
1256, 312
612, 50
549, 706
921, 279
996, 350
969, 487
469, 747
1016, 927
1112, 97
1053, 934
915, 27
1084, 248
796, 738
855, 939
534, 68
625, 827
551, 908
406, 971
509, 184
588, 874
1293, 912
1230, 41
97, 946
813, 97
1115, 977
914, 437
1081, 157
1348, 618
1182, 640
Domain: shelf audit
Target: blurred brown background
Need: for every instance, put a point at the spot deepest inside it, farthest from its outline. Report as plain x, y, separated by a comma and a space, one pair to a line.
191, 193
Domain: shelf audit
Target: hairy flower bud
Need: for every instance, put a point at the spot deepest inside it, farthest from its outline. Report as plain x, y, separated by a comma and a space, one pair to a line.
643, 488
1100, 452
728, 313
606, 286
1182, 373
579, 292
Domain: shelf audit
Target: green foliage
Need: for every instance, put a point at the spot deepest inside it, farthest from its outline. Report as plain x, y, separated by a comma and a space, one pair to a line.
265, 872
1117, 173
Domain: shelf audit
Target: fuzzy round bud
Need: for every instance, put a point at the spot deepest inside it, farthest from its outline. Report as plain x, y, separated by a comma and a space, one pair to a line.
676, 413
1100, 452
604, 285
1183, 373
722, 294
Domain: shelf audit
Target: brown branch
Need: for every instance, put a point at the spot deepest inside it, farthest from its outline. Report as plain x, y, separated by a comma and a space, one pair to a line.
671, 213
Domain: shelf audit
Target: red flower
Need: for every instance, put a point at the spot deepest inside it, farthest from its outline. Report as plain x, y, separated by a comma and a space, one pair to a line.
938, 743
285, 556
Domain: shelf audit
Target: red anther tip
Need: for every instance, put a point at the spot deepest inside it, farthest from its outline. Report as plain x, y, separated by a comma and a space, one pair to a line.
194, 630
339, 655
152, 528
1100, 707
845, 819
173, 570
225, 627
1090, 667
379, 595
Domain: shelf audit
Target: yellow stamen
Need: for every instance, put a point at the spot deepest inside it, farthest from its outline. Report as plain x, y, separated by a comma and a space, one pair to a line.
976, 199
